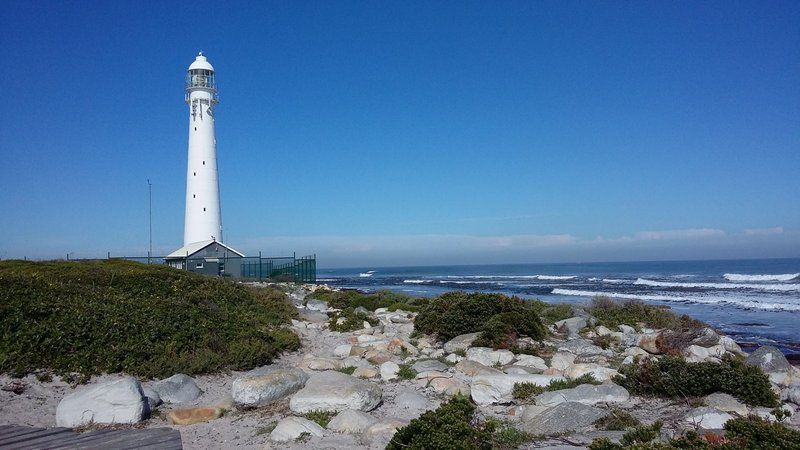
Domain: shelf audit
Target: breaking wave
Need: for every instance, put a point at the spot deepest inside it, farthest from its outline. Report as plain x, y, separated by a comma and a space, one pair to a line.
763, 287
744, 277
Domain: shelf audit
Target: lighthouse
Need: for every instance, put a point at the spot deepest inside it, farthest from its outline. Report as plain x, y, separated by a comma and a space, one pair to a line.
203, 219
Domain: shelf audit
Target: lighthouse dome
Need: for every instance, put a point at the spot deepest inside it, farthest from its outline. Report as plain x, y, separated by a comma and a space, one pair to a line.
201, 63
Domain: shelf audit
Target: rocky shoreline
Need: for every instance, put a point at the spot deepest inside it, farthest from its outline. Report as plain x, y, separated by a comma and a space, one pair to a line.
363, 385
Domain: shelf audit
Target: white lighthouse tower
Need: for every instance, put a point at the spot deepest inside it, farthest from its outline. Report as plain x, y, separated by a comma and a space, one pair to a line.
203, 220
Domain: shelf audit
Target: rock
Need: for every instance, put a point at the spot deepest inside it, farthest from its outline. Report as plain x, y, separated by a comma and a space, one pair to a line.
725, 402
769, 359
562, 418
447, 386
587, 394
453, 358
581, 347
317, 363
267, 384
472, 368
707, 418
648, 343
766, 413
312, 316
488, 356
431, 375
562, 360
520, 370
730, 345
602, 331
793, 395
697, 353
351, 421
389, 370
291, 428
462, 342
178, 388
534, 362
489, 389
429, 365
193, 415
343, 350
398, 346
335, 391
383, 429
365, 372
411, 400
635, 351
153, 399
358, 350
599, 373
572, 326
627, 329
120, 401
361, 310
354, 361
706, 337
317, 305
377, 356
531, 411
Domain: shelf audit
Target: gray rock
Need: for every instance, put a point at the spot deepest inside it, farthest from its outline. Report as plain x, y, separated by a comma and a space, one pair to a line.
489, 389
581, 347
178, 388
562, 360
351, 421
312, 316
317, 305
429, 365
725, 402
563, 418
291, 428
707, 418
769, 359
462, 342
472, 368
572, 326
120, 401
335, 391
411, 401
361, 310
706, 337
533, 362
382, 431
793, 395
488, 356
153, 399
389, 370
586, 393
265, 385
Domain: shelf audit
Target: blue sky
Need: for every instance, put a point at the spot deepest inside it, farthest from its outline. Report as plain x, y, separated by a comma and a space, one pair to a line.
378, 133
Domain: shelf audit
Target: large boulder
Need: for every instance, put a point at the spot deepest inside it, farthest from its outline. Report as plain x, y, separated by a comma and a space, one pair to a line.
489, 389
351, 421
472, 368
769, 359
461, 342
429, 365
389, 370
598, 372
582, 347
572, 326
586, 393
725, 402
265, 385
291, 428
531, 361
335, 391
698, 353
562, 360
178, 388
312, 316
317, 305
562, 418
382, 431
488, 356
120, 401
649, 342
707, 418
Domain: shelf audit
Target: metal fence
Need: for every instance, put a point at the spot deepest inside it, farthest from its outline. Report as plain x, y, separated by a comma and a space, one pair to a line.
250, 268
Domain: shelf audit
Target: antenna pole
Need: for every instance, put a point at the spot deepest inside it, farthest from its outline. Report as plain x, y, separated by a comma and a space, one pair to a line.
150, 203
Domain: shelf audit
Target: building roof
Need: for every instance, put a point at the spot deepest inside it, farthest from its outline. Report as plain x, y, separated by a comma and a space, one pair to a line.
201, 62
194, 247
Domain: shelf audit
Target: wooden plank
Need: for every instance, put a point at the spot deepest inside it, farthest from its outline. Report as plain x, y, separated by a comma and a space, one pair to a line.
20, 437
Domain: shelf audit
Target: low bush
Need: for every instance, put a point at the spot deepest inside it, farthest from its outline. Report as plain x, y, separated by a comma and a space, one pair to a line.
455, 313
447, 427
349, 298
674, 377
551, 313
611, 314
524, 391
617, 420
352, 320
605, 342
146, 320
406, 372
320, 417
751, 433
348, 370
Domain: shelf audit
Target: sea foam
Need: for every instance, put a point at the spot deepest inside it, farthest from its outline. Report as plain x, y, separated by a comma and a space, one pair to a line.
745, 277
763, 287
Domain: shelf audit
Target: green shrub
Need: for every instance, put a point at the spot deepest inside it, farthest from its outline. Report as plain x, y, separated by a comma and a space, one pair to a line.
455, 313
502, 330
611, 314
758, 434
406, 372
605, 342
348, 370
320, 417
146, 320
674, 377
551, 313
447, 427
524, 391
617, 420
349, 298
352, 320
505, 437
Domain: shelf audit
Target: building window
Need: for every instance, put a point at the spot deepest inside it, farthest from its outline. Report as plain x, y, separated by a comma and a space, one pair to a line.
198, 265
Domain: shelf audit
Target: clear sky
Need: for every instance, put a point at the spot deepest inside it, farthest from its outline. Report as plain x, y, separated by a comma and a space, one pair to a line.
393, 133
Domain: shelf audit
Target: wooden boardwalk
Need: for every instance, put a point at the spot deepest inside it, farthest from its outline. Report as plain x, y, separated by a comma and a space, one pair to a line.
19, 437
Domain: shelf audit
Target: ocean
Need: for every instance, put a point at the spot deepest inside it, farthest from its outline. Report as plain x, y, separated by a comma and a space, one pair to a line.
756, 302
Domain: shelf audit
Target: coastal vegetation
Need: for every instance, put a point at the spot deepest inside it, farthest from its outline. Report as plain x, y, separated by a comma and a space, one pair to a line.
523, 391
349, 298
674, 377
612, 314
114, 316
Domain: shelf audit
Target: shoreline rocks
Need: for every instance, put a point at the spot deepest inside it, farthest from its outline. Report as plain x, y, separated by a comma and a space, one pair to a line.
116, 402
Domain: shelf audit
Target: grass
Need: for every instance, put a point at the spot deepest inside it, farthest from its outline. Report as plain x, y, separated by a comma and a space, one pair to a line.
617, 420
524, 391
352, 321
348, 370
406, 372
349, 298
320, 417
119, 316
